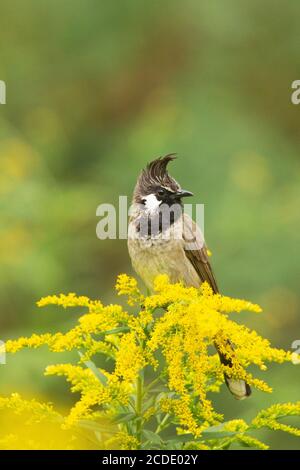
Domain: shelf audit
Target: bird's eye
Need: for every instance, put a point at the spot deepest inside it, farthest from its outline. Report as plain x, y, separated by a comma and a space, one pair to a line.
161, 192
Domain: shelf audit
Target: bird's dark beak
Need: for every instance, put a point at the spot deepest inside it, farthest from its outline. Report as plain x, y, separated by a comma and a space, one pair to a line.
184, 193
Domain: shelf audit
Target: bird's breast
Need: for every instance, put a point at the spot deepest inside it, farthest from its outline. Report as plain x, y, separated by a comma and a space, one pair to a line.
162, 254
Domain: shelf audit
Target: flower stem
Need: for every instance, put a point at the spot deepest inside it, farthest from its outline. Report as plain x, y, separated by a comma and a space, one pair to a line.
161, 426
139, 400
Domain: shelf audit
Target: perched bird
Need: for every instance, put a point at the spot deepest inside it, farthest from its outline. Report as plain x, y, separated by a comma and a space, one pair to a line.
162, 239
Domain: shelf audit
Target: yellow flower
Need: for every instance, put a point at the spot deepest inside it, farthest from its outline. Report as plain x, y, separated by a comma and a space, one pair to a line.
181, 408
269, 417
240, 427
126, 285
83, 381
38, 411
129, 358
122, 441
35, 341
101, 321
251, 441
70, 300
172, 332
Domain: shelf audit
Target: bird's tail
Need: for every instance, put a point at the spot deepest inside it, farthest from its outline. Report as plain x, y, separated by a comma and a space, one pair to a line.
238, 387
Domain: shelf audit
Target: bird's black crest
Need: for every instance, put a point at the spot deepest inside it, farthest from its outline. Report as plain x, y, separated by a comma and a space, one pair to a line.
155, 174
157, 169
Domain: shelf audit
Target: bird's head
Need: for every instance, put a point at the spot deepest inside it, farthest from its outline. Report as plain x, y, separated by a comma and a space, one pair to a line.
155, 186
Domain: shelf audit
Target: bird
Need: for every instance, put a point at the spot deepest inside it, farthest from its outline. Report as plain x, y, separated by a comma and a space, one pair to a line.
162, 239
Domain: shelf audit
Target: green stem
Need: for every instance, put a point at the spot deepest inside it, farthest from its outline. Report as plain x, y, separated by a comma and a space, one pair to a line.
139, 401
161, 426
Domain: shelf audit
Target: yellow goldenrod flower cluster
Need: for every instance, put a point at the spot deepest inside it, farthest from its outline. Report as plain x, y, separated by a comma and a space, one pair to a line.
122, 441
128, 286
37, 411
129, 358
160, 368
30, 424
269, 418
70, 300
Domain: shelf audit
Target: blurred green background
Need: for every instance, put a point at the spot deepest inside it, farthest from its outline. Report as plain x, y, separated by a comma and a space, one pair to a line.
95, 89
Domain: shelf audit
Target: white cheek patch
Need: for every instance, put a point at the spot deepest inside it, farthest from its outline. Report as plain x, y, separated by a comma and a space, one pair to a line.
151, 203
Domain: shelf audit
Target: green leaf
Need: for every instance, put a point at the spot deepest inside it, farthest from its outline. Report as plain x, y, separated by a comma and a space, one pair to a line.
216, 432
124, 417
215, 435
216, 428
225, 445
160, 389
152, 437
92, 366
120, 329
95, 427
206, 435
182, 438
245, 444
150, 402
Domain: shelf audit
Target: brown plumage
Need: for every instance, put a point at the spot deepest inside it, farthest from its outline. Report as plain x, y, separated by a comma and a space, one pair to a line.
197, 253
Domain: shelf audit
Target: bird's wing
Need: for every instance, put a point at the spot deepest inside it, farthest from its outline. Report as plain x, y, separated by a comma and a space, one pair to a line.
196, 251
